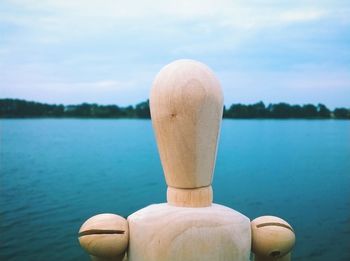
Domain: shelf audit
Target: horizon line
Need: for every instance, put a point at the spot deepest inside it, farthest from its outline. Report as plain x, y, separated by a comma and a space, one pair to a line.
124, 106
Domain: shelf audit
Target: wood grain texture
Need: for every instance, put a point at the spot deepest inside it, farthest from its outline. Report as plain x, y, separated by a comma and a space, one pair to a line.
105, 237
121, 257
198, 197
272, 239
186, 105
163, 232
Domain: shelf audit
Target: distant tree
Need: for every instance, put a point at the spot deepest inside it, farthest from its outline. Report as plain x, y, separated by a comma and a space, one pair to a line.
53, 111
107, 111
341, 113
238, 111
296, 111
7, 107
83, 110
225, 112
20, 108
309, 111
280, 110
112, 111
323, 111
257, 110
142, 110
128, 112
15, 108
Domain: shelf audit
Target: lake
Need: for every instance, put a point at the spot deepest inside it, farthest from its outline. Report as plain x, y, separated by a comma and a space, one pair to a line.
56, 173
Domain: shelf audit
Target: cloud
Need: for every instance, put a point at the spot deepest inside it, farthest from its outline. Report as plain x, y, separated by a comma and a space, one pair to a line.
109, 51
104, 91
188, 27
306, 84
86, 18
302, 15
41, 83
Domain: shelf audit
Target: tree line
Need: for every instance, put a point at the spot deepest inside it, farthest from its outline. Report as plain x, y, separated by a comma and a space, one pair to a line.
15, 108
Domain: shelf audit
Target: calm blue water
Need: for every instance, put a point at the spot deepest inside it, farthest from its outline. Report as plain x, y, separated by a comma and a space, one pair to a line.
54, 174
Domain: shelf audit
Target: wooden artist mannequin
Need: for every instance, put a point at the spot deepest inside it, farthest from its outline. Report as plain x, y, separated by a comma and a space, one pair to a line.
186, 108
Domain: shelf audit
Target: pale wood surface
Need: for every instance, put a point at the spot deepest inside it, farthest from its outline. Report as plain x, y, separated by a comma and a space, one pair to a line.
163, 232
105, 237
186, 105
121, 257
198, 197
272, 239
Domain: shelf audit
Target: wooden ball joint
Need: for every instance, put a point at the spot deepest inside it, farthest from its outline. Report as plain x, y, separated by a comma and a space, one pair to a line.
186, 104
272, 239
105, 237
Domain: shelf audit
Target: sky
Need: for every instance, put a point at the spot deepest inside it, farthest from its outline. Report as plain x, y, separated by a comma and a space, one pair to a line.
109, 51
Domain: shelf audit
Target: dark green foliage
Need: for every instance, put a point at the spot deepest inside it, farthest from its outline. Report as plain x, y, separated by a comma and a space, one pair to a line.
142, 110
309, 111
280, 110
323, 111
256, 110
341, 113
14, 108
284, 111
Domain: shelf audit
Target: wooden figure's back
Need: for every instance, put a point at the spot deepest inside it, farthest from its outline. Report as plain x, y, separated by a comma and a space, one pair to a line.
186, 107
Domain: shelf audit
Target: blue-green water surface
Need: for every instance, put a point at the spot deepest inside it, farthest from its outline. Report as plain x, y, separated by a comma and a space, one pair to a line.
56, 173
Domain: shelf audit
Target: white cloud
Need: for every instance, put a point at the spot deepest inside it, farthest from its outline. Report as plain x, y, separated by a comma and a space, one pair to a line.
42, 83
84, 18
309, 84
105, 92
191, 27
88, 50
302, 15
